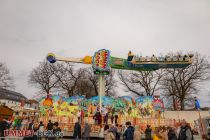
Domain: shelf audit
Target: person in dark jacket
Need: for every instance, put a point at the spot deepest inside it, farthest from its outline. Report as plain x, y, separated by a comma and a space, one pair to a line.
36, 129
4, 125
113, 129
106, 118
56, 128
31, 125
55, 131
86, 131
97, 117
41, 126
172, 134
129, 132
148, 133
116, 118
77, 131
185, 132
118, 133
49, 125
112, 118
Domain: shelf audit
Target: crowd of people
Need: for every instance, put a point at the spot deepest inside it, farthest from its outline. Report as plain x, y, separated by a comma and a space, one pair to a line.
18, 123
110, 131
53, 127
183, 132
5, 124
129, 132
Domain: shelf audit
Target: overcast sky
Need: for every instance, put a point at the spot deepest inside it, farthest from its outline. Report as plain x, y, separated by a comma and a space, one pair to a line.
29, 29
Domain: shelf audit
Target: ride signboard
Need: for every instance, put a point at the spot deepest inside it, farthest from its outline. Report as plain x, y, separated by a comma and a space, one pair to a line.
100, 62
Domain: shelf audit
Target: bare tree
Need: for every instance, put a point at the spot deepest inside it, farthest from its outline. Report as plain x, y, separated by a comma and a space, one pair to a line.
110, 82
43, 77
6, 80
169, 90
141, 82
68, 78
85, 87
91, 79
183, 83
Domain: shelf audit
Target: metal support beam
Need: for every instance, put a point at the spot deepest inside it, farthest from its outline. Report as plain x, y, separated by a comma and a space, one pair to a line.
101, 89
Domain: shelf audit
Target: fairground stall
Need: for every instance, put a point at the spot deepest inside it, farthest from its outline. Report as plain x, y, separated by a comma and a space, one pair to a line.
140, 111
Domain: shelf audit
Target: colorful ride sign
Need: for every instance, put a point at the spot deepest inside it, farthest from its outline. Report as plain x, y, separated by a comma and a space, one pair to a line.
101, 61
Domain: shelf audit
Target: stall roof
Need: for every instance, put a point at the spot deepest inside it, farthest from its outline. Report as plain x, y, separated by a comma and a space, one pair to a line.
12, 95
5, 111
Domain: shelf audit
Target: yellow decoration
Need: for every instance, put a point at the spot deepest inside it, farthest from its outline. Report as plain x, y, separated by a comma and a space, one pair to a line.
64, 109
51, 54
87, 60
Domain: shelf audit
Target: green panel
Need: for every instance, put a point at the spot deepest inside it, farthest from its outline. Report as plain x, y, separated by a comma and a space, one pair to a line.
120, 63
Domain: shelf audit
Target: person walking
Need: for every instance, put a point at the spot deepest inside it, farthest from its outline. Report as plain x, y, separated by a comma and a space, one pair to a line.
36, 129
108, 135
157, 134
112, 118
106, 118
56, 130
98, 118
171, 134
185, 132
164, 133
77, 130
118, 133
40, 129
31, 125
3, 126
148, 133
82, 116
116, 118
19, 124
86, 131
50, 125
41, 126
129, 132
24, 124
